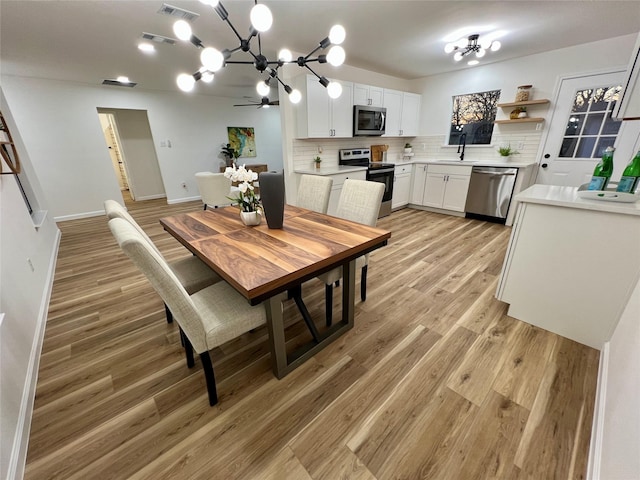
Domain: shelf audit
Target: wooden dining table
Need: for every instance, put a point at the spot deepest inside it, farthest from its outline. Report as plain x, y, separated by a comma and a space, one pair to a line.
263, 264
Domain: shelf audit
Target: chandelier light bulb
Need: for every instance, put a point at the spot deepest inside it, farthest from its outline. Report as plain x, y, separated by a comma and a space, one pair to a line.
182, 29
337, 34
261, 17
457, 56
334, 89
336, 56
186, 82
262, 89
480, 53
473, 62
207, 76
495, 46
295, 96
285, 55
212, 59
449, 47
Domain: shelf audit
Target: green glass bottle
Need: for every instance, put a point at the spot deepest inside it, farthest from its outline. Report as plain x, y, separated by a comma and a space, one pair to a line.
631, 176
602, 172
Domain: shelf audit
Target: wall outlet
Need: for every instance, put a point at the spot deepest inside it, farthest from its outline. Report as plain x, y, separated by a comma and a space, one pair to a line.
520, 145
31, 265
319, 148
538, 126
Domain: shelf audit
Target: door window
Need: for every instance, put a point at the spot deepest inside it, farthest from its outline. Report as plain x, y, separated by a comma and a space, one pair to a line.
590, 129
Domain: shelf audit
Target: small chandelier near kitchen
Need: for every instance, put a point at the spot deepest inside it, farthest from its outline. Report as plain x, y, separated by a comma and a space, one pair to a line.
472, 44
261, 19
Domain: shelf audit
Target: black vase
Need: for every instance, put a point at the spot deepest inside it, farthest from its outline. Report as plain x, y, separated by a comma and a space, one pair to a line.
272, 197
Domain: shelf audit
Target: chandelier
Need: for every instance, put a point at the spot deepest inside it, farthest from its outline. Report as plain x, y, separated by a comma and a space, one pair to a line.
261, 18
472, 44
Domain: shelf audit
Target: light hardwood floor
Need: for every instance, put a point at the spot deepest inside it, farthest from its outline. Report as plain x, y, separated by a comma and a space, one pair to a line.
435, 381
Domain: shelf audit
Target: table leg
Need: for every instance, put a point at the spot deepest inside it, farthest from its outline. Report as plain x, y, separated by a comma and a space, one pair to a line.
281, 363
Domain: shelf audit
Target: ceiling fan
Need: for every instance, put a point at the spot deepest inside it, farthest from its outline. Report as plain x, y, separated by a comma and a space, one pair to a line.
264, 102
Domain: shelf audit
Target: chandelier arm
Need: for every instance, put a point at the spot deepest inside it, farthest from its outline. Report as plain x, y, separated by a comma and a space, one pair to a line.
319, 47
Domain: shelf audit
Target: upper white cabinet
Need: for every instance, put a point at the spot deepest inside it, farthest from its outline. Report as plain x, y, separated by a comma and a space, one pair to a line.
318, 115
367, 95
403, 113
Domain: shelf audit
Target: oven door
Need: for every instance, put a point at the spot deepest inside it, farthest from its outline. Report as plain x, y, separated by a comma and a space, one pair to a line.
383, 175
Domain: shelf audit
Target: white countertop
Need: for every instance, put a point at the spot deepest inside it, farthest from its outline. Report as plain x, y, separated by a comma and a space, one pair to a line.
329, 170
568, 197
471, 163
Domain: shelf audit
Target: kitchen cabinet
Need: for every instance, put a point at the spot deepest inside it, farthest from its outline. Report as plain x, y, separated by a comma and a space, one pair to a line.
367, 95
401, 186
527, 104
441, 186
320, 116
550, 277
403, 113
336, 188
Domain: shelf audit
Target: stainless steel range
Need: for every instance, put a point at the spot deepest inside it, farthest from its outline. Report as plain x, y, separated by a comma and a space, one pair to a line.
376, 172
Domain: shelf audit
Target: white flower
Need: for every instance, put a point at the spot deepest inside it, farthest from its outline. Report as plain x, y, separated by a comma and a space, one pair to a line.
243, 187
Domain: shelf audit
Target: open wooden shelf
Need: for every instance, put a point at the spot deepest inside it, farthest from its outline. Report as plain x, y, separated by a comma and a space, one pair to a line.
528, 103
522, 120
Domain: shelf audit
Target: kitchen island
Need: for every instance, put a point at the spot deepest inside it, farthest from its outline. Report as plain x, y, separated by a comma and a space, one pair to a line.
571, 263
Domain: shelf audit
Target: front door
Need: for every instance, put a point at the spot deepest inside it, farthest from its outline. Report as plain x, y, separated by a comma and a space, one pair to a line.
581, 129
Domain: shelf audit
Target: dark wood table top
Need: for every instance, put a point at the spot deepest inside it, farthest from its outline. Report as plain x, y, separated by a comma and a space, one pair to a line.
260, 262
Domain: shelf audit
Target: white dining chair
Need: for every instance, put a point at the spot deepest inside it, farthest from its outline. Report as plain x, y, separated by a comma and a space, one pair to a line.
314, 192
214, 189
359, 202
192, 273
207, 318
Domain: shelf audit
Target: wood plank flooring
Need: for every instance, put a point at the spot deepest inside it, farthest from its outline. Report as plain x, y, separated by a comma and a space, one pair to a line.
434, 382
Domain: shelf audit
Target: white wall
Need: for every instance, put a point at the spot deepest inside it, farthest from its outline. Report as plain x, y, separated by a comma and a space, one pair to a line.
24, 296
60, 127
619, 457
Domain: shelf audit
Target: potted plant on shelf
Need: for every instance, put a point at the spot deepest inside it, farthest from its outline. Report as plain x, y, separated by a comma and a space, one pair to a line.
317, 160
247, 201
506, 151
407, 148
230, 154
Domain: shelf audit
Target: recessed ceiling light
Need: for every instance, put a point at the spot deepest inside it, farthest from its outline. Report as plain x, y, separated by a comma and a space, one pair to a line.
123, 79
473, 62
147, 47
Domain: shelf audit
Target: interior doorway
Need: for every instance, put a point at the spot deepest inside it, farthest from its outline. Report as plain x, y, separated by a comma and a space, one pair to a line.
112, 139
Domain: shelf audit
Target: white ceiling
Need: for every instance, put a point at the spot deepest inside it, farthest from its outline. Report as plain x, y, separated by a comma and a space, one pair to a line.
88, 41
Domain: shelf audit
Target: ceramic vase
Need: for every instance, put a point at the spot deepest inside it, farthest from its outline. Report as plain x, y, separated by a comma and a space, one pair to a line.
272, 197
250, 218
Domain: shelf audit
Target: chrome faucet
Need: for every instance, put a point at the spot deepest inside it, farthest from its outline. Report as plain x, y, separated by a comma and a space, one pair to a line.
462, 143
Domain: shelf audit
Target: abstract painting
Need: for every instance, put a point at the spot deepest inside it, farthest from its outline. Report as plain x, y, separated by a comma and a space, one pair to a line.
243, 140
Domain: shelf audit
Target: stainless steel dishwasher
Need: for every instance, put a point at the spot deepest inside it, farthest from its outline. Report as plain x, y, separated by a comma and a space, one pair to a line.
490, 191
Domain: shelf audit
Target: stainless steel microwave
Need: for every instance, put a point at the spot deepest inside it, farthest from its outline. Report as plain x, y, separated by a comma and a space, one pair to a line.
368, 121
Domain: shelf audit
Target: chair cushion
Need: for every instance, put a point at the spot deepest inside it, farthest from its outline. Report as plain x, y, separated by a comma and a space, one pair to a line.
193, 273
226, 314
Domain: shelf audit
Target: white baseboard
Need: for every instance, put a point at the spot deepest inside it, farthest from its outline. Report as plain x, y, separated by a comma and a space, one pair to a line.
597, 427
78, 216
151, 197
183, 200
18, 457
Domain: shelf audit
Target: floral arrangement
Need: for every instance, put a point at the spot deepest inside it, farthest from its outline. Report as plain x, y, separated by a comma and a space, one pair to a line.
246, 200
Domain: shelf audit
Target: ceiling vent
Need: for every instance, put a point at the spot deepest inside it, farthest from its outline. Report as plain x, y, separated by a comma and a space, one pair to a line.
158, 38
172, 11
116, 83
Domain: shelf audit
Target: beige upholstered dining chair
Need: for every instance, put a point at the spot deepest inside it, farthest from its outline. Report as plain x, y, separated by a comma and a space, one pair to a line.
359, 202
207, 318
214, 189
192, 273
314, 192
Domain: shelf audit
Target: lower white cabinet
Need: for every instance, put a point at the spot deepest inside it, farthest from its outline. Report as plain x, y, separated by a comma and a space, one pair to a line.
441, 186
401, 186
336, 189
